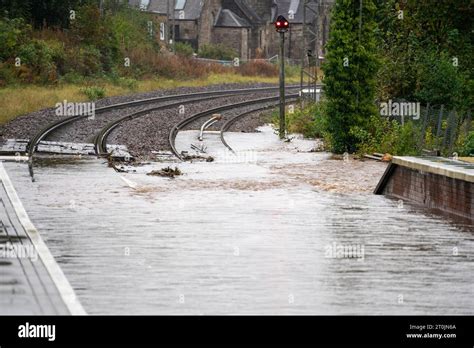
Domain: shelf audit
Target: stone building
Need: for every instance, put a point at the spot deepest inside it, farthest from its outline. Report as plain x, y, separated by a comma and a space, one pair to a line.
293, 10
244, 25
187, 17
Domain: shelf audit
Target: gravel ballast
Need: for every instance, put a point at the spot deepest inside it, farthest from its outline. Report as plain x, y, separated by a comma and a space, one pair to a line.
26, 126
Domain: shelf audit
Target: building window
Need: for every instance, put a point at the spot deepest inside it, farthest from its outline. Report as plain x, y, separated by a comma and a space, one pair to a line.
144, 4
180, 4
176, 32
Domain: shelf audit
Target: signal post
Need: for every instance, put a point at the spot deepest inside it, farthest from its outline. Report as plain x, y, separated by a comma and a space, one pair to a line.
282, 25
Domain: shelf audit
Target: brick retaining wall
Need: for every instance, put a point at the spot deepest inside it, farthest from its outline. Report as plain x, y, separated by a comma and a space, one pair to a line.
454, 196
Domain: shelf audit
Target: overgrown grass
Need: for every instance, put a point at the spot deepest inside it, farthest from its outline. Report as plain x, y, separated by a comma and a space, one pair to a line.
20, 100
309, 121
94, 92
17, 101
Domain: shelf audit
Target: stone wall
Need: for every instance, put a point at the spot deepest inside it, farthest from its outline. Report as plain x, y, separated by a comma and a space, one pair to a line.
293, 41
157, 20
206, 22
235, 38
188, 30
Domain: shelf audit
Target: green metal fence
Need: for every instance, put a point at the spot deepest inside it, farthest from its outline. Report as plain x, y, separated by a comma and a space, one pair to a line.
441, 127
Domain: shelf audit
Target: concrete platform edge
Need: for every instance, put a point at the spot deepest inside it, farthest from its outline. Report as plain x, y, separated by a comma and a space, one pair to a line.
432, 168
64, 287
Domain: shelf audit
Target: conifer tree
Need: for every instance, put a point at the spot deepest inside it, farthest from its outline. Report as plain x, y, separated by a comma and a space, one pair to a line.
350, 71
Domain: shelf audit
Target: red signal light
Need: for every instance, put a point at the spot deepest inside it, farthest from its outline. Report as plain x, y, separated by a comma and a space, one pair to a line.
282, 24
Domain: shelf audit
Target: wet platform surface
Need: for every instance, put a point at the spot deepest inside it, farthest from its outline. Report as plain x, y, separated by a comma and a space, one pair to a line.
26, 285
438, 165
247, 235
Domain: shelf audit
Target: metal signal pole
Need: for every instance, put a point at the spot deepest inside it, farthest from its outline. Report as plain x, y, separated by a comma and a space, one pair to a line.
173, 11
282, 86
282, 25
167, 34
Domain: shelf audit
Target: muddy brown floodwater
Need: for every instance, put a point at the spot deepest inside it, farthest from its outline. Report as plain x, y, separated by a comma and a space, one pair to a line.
273, 230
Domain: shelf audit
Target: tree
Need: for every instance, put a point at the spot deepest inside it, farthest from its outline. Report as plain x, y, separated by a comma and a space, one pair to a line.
41, 13
426, 50
350, 71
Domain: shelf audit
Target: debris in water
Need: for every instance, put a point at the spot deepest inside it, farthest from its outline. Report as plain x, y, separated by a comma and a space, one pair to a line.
166, 172
379, 157
387, 157
187, 157
201, 149
112, 163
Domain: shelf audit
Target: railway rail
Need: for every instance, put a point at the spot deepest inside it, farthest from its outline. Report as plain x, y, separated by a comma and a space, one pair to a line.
179, 126
226, 126
101, 138
43, 133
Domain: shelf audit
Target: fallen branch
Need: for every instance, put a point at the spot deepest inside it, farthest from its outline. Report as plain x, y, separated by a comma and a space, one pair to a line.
166, 172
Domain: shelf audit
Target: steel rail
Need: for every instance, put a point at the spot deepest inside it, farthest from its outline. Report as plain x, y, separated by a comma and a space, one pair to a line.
33, 143
174, 131
226, 126
100, 140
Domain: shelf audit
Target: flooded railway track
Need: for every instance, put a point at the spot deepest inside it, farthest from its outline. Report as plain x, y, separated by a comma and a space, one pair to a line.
100, 136
229, 123
186, 122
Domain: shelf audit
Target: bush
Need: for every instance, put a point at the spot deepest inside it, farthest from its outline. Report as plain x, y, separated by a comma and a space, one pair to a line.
258, 68
127, 82
8, 74
13, 33
147, 63
38, 57
56, 50
130, 28
311, 121
468, 149
219, 52
94, 92
83, 60
184, 49
440, 82
385, 136
72, 77
292, 70
89, 30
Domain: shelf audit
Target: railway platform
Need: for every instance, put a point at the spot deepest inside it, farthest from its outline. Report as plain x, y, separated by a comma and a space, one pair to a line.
31, 282
438, 183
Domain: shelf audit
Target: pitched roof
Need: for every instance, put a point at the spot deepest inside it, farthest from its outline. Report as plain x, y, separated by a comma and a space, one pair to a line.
134, 3
191, 10
249, 12
292, 10
158, 6
246, 15
227, 18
